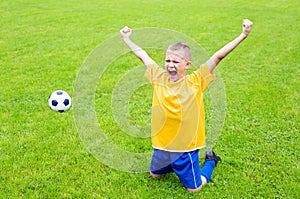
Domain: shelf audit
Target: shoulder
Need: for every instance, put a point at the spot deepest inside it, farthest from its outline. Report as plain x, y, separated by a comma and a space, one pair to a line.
152, 64
154, 71
201, 77
202, 72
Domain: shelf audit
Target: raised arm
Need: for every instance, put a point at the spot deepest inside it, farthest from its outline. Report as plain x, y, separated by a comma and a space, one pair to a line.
138, 51
224, 51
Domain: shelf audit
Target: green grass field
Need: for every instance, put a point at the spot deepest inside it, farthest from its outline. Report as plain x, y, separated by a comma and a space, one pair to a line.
43, 45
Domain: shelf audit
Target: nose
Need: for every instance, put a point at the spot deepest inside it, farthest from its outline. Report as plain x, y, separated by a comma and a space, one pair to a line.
171, 64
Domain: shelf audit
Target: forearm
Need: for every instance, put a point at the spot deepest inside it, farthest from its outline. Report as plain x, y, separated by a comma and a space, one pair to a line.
138, 51
224, 51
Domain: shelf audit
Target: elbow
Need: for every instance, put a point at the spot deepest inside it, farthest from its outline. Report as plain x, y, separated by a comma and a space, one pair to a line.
217, 59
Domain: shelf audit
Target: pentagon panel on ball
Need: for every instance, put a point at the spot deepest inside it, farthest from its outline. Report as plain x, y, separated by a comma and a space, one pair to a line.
60, 101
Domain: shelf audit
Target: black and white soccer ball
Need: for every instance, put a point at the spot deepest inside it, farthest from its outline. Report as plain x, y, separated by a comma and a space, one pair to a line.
60, 101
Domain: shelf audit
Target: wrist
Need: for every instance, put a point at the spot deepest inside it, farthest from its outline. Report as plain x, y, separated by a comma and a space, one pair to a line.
126, 40
243, 35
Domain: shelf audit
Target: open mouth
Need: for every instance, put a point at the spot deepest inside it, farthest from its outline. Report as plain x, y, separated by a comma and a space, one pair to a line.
172, 72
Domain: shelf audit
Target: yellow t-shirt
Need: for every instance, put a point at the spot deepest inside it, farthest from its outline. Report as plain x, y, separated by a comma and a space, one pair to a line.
178, 122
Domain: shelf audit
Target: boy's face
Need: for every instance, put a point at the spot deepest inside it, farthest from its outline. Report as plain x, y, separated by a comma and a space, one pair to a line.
176, 65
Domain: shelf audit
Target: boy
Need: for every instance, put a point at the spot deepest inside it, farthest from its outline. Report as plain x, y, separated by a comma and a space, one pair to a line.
178, 124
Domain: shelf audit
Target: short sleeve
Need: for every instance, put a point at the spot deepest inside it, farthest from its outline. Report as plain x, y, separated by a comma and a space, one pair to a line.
153, 72
202, 77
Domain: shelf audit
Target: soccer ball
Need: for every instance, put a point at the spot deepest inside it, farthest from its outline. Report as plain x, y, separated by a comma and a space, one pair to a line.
59, 101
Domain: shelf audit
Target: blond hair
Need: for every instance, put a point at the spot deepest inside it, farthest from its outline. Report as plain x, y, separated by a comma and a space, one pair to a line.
182, 50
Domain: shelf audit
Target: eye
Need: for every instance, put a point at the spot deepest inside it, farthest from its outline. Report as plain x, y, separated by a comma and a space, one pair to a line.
173, 61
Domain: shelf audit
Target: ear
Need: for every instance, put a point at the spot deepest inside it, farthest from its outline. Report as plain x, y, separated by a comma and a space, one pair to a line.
188, 64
